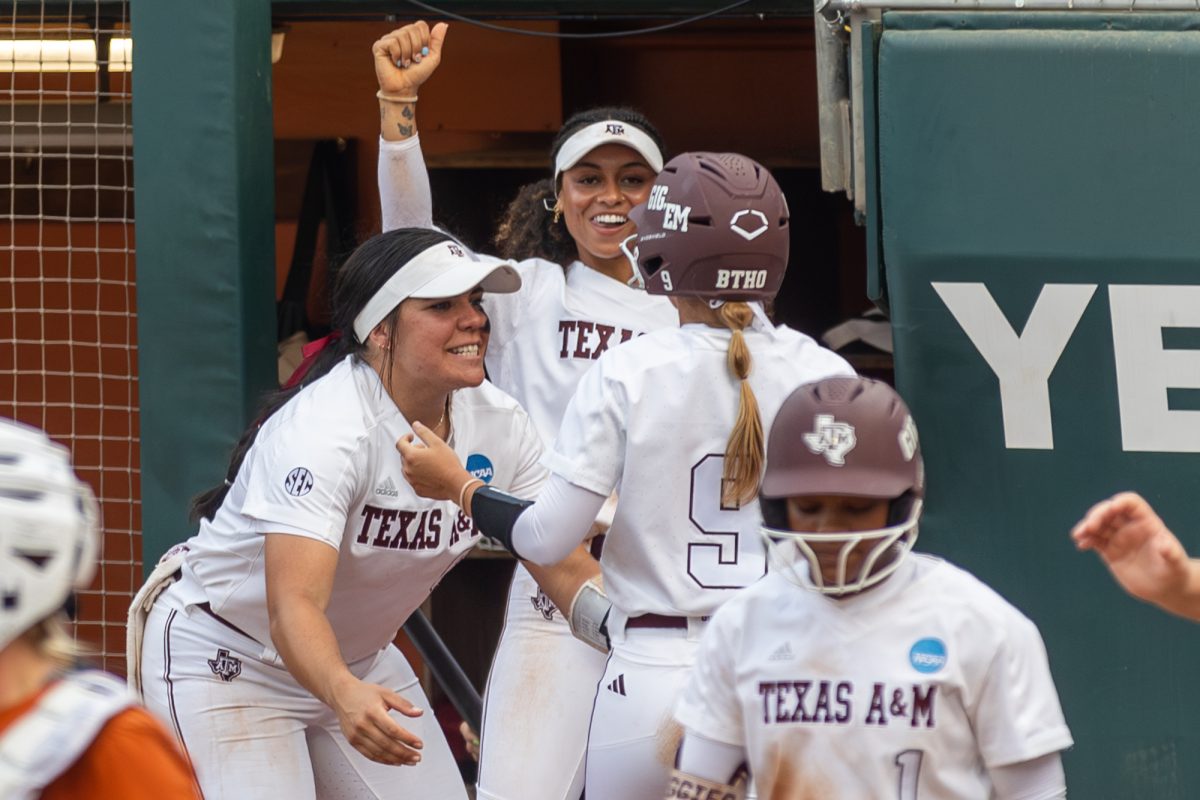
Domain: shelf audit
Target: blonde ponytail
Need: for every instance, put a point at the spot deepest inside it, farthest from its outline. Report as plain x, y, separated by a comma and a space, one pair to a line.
744, 453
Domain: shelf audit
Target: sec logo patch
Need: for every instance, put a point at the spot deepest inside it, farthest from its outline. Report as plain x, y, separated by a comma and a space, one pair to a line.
480, 466
299, 482
928, 655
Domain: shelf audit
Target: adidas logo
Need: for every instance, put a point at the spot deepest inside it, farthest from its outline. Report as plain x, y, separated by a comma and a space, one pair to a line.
782, 653
387, 488
618, 685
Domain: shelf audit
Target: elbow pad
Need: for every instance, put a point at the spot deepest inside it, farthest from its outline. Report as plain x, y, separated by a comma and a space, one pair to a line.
496, 512
588, 617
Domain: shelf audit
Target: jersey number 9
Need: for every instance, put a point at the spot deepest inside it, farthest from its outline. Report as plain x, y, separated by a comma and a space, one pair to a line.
728, 562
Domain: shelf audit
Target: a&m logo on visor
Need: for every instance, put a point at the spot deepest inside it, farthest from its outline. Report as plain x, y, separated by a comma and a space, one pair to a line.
831, 439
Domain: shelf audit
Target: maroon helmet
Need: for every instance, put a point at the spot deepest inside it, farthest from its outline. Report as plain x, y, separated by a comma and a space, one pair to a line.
848, 436
715, 225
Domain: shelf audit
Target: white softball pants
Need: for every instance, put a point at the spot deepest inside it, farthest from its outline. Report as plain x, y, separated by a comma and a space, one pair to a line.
253, 733
538, 703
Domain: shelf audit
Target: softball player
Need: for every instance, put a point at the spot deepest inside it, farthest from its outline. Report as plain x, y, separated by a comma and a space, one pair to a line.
674, 419
65, 733
855, 669
574, 304
271, 654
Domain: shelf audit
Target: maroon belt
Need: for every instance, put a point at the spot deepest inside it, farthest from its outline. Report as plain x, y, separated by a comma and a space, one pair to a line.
657, 621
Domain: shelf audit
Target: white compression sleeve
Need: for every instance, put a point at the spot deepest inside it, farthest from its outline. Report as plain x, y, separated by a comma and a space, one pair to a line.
551, 528
1039, 778
404, 195
709, 759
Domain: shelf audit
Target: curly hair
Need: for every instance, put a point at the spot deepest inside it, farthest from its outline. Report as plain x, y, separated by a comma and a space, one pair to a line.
527, 229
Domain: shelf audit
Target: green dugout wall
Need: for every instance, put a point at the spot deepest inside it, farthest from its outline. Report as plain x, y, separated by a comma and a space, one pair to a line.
1033, 207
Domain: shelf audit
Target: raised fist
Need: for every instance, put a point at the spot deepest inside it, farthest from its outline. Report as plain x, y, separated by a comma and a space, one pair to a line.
400, 65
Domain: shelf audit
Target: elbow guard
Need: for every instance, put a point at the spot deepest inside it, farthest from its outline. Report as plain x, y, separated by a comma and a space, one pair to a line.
496, 512
588, 617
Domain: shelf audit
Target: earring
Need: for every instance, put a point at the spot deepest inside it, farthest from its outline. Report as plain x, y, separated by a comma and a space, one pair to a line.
557, 214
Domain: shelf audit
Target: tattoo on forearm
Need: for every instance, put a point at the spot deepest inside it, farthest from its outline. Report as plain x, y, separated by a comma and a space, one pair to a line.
406, 112
405, 130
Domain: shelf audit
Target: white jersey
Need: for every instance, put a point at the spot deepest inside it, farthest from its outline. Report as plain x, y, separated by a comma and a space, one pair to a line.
325, 466
546, 335
549, 334
651, 420
911, 690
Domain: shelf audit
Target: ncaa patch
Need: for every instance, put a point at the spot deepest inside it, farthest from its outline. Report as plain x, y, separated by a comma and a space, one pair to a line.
299, 482
480, 466
928, 655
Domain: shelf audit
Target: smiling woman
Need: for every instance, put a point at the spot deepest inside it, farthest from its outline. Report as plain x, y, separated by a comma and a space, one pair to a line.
575, 303
272, 645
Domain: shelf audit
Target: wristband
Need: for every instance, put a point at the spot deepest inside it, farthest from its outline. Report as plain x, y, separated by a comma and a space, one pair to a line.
462, 493
395, 98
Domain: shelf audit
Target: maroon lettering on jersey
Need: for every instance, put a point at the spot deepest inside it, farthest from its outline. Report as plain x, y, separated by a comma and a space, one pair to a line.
842, 695
385, 524
462, 524
922, 705
566, 327
604, 332
585, 329
370, 514
876, 714
578, 341
433, 537
401, 540
803, 701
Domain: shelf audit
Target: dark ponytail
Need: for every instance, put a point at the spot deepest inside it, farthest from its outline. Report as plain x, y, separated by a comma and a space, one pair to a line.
527, 229
364, 273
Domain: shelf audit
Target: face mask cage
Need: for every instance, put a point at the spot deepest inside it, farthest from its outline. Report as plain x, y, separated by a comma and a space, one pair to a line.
792, 554
636, 280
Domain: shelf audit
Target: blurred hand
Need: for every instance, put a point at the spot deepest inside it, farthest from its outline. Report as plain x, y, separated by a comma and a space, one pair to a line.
1141, 552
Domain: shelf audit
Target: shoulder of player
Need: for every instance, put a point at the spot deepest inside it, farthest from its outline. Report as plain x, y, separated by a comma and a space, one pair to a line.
485, 395
536, 272
965, 592
816, 357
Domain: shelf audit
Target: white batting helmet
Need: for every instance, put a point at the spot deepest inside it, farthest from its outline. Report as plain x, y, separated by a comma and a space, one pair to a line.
48, 529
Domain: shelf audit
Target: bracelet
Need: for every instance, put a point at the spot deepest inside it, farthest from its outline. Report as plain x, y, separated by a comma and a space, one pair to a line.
395, 98
462, 493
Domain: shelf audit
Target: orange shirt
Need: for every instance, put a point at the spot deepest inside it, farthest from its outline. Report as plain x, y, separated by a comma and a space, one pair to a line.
132, 758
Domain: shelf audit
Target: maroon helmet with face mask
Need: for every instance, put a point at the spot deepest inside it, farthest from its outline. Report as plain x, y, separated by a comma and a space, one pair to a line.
848, 436
715, 225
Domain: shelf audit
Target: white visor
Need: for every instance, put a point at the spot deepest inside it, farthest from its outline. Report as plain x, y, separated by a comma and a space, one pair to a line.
611, 131
445, 270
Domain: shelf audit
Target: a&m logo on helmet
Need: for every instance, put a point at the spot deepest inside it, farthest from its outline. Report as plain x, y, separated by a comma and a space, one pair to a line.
831, 439
908, 439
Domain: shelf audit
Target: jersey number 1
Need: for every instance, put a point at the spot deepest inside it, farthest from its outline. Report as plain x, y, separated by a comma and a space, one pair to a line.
726, 563
909, 763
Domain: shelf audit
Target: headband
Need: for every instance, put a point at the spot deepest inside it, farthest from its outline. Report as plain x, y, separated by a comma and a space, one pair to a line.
445, 270
585, 140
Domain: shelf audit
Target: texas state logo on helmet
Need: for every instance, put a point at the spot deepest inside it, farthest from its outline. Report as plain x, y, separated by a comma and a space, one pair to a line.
715, 225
